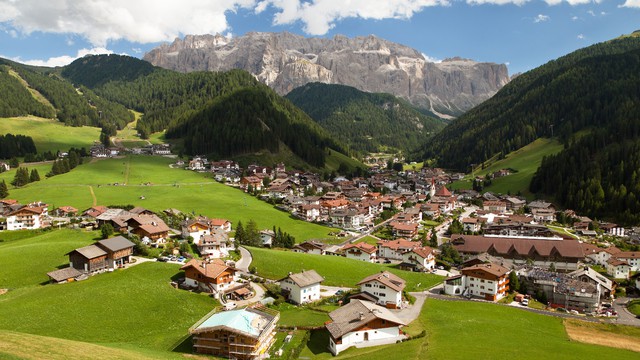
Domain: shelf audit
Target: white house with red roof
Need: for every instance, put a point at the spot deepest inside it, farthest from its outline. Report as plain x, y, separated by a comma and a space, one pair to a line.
361, 251
394, 249
618, 269
385, 287
423, 257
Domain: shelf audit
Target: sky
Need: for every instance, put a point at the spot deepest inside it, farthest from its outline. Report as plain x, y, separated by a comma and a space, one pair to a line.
523, 34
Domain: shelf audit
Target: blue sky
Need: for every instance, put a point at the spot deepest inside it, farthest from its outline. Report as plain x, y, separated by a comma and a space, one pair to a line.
521, 33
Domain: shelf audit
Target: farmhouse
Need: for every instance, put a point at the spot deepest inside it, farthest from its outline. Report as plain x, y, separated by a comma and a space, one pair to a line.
362, 323
394, 249
65, 211
214, 245
361, 251
150, 227
209, 276
202, 225
471, 224
237, 334
118, 249
311, 247
489, 281
89, 259
407, 230
383, 288
302, 287
618, 269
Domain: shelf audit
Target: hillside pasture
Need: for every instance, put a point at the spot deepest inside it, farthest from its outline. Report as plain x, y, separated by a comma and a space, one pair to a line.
337, 270
162, 187
525, 160
50, 135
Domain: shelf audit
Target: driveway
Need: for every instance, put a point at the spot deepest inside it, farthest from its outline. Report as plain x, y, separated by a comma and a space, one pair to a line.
327, 291
259, 295
245, 260
411, 312
624, 316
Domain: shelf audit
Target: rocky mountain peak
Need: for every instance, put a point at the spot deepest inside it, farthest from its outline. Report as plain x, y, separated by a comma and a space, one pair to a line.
285, 61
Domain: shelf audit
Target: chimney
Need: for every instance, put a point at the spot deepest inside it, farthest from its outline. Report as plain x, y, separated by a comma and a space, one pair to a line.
361, 316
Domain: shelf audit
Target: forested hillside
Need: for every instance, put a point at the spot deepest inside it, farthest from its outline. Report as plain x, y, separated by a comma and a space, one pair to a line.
577, 91
218, 114
365, 122
59, 98
249, 120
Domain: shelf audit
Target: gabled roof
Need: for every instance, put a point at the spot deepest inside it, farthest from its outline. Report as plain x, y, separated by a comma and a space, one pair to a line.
115, 243
64, 274
356, 314
89, 252
386, 278
423, 252
368, 248
398, 244
627, 255
476, 244
490, 268
209, 270
305, 278
443, 192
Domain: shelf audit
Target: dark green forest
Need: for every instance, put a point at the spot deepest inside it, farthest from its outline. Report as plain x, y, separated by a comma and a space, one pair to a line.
72, 107
564, 96
249, 120
365, 121
16, 145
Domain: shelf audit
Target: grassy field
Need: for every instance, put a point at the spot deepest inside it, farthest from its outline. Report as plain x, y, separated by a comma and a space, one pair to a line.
50, 135
338, 271
135, 308
33, 347
185, 190
369, 240
49, 248
612, 335
634, 307
472, 330
526, 160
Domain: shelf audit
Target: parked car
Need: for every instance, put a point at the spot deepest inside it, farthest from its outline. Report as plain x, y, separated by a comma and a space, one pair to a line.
230, 305
525, 302
161, 259
387, 261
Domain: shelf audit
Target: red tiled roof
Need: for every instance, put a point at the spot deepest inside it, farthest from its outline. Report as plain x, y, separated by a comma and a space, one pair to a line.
391, 280
368, 248
477, 244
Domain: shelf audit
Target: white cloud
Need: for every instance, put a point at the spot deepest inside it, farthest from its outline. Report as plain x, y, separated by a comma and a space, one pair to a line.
497, 2
428, 58
574, 18
631, 4
571, 2
62, 60
580, 37
319, 16
541, 18
100, 21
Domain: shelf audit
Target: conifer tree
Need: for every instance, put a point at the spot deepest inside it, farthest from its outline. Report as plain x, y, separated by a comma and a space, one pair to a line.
4, 192
34, 176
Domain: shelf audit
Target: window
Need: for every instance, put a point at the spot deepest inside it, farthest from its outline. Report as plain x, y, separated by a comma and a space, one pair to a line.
382, 287
367, 285
482, 280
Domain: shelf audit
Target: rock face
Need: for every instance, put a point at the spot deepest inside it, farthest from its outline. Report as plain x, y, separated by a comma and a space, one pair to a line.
285, 61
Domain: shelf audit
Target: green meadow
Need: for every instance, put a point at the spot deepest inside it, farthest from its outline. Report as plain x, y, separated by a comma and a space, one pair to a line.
337, 270
474, 330
525, 160
93, 184
50, 135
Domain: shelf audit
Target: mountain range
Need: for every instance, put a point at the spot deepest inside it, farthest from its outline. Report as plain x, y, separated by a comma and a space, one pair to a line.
286, 61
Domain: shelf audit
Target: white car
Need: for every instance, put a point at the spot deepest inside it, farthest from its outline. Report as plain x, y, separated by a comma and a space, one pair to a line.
230, 305
525, 302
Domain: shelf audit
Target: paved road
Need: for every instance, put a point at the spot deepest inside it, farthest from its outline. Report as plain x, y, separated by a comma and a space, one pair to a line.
624, 316
412, 312
245, 260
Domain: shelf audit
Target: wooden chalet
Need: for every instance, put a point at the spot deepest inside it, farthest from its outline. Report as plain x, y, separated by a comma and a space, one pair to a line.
118, 249
209, 276
89, 259
242, 334
64, 275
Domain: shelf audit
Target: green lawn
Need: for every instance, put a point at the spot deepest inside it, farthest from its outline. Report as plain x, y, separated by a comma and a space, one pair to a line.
338, 271
185, 190
369, 240
291, 315
50, 135
526, 160
30, 258
472, 330
134, 308
634, 307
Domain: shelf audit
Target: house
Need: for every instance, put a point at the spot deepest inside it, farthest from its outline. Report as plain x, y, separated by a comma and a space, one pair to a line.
423, 258
394, 249
362, 323
89, 259
431, 210
407, 230
66, 211
150, 227
309, 212
612, 229
64, 275
26, 217
4, 166
606, 287
214, 245
118, 249
209, 276
489, 281
498, 206
361, 251
630, 257
310, 247
251, 183
618, 269
544, 215
600, 255
514, 204
266, 238
95, 211
197, 164
471, 224
383, 288
242, 334
161, 149
302, 287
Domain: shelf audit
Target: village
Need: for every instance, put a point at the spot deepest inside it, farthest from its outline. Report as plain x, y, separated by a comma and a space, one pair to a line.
481, 246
